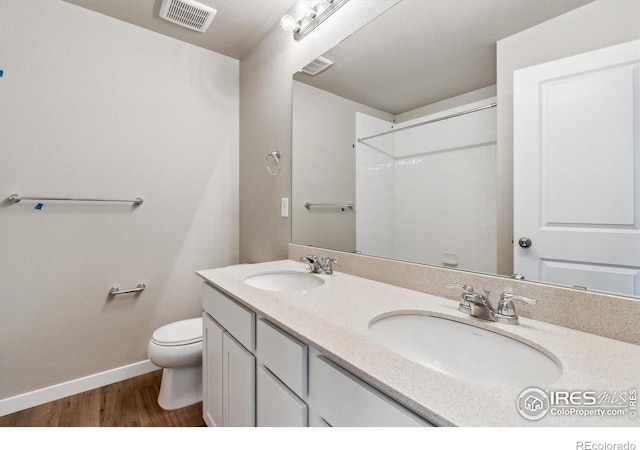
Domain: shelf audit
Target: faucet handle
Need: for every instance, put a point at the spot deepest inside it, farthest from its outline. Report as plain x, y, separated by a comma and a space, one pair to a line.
326, 264
465, 287
506, 308
467, 292
311, 260
506, 295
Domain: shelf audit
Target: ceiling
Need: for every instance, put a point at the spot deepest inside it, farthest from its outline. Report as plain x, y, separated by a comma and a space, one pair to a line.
416, 53
236, 28
423, 51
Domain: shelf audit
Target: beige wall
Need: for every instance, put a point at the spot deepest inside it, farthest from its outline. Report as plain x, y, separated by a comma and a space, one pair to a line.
324, 130
597, 25
265, 117
93, 107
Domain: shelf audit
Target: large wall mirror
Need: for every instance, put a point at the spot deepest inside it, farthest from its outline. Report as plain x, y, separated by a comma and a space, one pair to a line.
396, 153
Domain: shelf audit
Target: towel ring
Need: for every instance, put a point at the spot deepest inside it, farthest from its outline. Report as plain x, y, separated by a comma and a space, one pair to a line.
273, 165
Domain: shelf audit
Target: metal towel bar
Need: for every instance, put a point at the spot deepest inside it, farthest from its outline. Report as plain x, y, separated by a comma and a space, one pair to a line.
115, 291
310, 205
15, 198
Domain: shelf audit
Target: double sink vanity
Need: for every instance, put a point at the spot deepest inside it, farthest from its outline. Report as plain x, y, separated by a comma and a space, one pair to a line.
286, 347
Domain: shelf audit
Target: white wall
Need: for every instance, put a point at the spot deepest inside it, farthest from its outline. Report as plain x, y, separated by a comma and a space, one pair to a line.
323, 164
375, 176
441, 196
94, 107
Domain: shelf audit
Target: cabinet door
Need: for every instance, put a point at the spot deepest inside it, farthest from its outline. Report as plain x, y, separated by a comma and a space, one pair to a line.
238, 384
212, 372
277, 405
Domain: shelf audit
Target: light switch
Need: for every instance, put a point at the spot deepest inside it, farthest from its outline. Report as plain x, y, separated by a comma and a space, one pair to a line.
284, 207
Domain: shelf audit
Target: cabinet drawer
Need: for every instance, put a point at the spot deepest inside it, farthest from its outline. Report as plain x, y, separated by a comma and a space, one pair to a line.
277, 406
284, 356
344, 400
235, 318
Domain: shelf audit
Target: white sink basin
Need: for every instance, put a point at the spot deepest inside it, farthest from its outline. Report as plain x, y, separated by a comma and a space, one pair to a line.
465, 351
284, 281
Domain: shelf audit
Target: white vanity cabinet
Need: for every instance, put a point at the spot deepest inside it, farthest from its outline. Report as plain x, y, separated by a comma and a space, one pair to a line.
256, 374
229, 366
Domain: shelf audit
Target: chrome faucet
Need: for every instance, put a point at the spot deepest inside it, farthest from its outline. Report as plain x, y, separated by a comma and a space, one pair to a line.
478, 305
319, 266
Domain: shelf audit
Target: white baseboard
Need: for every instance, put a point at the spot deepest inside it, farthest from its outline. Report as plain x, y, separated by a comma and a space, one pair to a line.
62, 390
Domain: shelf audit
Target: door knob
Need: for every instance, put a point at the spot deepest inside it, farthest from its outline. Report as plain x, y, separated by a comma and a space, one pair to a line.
525, 242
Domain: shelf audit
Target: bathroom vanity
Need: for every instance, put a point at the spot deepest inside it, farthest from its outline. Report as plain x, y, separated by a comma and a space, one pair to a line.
256, 374
283, 347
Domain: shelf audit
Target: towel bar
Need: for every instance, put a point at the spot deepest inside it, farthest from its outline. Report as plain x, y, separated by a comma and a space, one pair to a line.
15, 198
115, 291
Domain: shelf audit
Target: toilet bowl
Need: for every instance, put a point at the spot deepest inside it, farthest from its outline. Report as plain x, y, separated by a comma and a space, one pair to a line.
177, 348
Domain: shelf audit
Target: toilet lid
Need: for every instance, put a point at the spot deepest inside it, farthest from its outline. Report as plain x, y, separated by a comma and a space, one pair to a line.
182, 332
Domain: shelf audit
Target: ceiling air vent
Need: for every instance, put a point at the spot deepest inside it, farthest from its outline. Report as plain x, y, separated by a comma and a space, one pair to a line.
316, 66
187, 13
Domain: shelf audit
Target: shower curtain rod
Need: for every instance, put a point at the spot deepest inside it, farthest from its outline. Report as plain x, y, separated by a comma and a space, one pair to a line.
450, 116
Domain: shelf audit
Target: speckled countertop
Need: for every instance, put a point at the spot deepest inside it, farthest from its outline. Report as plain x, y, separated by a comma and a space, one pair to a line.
334, 319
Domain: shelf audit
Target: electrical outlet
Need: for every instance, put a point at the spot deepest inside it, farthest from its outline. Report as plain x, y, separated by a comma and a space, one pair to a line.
284, 207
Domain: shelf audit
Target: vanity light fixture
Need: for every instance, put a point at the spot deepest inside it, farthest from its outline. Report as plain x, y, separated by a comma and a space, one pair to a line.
311, 14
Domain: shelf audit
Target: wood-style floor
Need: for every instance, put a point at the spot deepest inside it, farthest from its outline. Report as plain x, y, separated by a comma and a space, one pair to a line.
129, 403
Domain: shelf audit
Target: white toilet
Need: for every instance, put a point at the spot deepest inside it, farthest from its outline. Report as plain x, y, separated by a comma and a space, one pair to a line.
177, 348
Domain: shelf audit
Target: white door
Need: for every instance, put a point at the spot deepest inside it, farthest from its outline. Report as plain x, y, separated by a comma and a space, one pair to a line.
239, 384
577, 170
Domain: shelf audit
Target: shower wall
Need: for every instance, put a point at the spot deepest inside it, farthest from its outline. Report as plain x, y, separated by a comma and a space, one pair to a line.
375, 188
443, 194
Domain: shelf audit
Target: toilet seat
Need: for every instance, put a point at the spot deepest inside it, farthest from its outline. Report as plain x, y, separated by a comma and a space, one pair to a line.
183, 332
